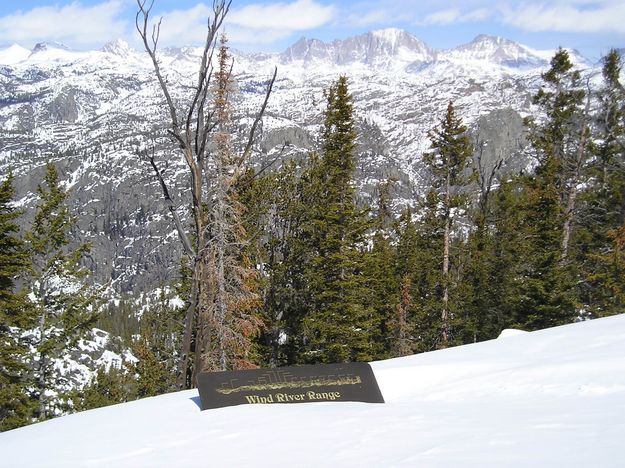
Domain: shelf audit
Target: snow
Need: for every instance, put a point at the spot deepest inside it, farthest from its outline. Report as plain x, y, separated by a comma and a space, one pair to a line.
550, 398
13, 54
511, 332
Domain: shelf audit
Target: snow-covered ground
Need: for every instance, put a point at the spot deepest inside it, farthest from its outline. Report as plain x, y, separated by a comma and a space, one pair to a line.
554, 398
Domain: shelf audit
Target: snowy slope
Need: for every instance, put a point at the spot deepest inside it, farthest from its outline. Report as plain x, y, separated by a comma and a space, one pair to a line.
13, 54
543, 399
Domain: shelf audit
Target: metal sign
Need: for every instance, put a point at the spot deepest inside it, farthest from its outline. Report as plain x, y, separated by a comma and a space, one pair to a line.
300, 384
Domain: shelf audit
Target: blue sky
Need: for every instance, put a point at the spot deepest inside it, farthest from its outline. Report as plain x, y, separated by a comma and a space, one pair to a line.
591, 26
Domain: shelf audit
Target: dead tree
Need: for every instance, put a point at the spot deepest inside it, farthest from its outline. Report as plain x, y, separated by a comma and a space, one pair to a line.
227, 315
190, 128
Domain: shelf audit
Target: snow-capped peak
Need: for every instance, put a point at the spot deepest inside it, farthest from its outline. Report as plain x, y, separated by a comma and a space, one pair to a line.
377, 48
118, 47
54, 52
13, 54
45, 46
494, 49
392, 35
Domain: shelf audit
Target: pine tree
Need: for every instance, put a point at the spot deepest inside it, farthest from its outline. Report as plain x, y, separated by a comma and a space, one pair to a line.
509, 247
400, 326
339, 325
604, 211
562, 142
156, 347
550, 202
15, 315
546, 288
419, 261
286, 254
108, 387
228, 322
65, 305
379, 273
450, 165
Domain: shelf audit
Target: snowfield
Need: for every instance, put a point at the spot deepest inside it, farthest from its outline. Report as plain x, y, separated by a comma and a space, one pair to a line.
544, 399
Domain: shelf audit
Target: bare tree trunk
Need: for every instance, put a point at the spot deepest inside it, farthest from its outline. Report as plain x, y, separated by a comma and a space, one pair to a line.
446, 242
403, 328
569, 213
182, 380
568, 222
41, 378
220, 223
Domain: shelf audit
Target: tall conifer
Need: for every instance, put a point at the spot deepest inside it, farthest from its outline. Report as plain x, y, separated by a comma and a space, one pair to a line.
604, 214
339, 325
449, 162
15, 315
560, 142
65, 305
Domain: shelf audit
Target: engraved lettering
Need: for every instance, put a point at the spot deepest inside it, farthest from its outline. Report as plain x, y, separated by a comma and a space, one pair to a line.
256, 399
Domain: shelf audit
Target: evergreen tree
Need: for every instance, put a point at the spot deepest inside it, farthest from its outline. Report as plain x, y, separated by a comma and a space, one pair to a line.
561, 141
156, 348
338, 325
450, 165
119, 318
546, 288
550, 206
15, 315
604, 201
419, 266
108, 387
400, 326
381, 283
508, 253
65, 305
610, 275
287, 251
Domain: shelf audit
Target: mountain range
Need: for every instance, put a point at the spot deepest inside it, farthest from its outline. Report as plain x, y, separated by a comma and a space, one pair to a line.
94, 112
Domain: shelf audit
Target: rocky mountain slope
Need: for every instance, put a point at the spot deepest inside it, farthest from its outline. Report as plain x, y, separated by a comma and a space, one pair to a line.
95, 112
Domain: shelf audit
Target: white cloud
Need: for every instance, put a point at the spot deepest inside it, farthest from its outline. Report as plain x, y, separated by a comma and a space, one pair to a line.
376, 17
74, 24
569, 16
184, 27
252, 24
299, 15
369, 18
454, 16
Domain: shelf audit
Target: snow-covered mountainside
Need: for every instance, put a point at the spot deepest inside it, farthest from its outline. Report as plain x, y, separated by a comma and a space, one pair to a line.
550, 398
78, 365
93, 113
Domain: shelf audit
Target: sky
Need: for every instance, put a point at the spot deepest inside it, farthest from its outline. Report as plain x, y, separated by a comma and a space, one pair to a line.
590, 26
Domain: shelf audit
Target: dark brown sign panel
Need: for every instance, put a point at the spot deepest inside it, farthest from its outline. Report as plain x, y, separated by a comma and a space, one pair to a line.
301, 384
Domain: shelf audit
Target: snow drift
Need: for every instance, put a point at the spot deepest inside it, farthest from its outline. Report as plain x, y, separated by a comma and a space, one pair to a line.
550, 398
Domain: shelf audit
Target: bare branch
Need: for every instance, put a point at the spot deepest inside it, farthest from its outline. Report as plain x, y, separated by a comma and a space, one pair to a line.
142, 28
186, 243
250, 141
220, 10
266, 166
